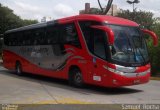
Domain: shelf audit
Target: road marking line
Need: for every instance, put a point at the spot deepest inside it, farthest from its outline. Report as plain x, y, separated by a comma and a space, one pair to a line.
64, 101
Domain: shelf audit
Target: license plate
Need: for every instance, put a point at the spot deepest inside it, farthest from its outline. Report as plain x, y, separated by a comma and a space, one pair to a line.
136, 81
97, 78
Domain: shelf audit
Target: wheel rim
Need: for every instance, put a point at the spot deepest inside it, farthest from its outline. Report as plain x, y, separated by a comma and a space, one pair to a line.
78, 77
18, 69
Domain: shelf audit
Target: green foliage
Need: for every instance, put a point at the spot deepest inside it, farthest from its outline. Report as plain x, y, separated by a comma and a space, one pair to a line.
29, 22
8, 20
155, 51
143, 18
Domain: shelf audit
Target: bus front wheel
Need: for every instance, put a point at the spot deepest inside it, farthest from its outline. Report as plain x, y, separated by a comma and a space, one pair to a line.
18, 69
75, 77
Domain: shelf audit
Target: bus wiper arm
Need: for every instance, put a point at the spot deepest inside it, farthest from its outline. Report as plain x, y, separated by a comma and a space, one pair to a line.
129, 45
139, 51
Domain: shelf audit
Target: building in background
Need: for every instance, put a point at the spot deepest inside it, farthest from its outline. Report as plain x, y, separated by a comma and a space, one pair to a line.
88, 10
113, 10
45, 19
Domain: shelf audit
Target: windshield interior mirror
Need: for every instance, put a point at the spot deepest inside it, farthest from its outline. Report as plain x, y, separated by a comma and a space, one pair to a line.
153, 35
108, 31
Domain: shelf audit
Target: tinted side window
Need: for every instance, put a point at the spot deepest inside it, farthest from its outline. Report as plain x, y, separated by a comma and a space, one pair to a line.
27, 37
12, 39
39, 36
69, 35
20, 38
52, 36
87, 31
99, 43
25, 40
6, 39
95, 38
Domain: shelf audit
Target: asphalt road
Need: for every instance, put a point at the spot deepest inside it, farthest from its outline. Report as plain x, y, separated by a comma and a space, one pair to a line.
33, 89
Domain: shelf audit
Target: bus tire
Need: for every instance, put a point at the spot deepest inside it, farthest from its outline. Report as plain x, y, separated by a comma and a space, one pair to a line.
18, 69
75, 77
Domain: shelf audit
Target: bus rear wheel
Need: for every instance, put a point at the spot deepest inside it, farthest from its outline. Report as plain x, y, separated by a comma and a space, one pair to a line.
75, 77
18, 69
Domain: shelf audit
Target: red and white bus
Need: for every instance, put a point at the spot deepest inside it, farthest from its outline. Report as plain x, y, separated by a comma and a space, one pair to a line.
93, 49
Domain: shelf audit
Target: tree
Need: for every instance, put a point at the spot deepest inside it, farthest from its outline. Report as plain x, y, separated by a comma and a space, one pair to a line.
155, 51
28, 22
143, 18
8, 20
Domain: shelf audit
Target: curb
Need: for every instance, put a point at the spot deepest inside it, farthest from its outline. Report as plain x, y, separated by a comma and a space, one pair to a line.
155, 78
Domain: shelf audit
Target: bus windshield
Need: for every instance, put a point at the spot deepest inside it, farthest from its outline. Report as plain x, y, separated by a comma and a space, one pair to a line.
129, 45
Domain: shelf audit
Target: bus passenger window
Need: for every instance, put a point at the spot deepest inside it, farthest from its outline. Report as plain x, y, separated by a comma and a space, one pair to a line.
99, 44
38, 36
14, 39
19, 37
7, 40
70, 35
87, 32
52, 36
26, 39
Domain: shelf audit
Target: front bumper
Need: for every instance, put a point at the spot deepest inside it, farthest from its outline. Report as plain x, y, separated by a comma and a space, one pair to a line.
119, 81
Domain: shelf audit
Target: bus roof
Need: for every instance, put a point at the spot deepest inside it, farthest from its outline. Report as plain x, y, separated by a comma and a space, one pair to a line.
100, 18
33, 26
91, 17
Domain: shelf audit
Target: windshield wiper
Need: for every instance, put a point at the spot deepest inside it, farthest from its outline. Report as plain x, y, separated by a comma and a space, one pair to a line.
129, 45
138, 50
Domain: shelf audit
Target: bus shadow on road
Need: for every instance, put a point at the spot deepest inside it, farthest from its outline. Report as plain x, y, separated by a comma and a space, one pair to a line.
63, 84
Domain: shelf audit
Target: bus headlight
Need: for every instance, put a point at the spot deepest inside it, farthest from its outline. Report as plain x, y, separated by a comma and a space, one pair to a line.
127, 74
145, 72
116, 71
125, 69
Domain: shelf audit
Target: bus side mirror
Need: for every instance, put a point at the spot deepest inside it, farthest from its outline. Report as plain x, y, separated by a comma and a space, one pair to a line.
153, 35
109, 32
